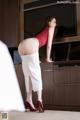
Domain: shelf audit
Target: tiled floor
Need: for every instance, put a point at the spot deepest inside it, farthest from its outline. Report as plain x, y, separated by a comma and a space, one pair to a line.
47, 115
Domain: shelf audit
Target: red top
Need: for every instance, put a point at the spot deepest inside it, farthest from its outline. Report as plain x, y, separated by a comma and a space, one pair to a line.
43, 37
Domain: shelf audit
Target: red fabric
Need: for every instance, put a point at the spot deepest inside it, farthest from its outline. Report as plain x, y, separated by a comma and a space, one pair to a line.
43, 37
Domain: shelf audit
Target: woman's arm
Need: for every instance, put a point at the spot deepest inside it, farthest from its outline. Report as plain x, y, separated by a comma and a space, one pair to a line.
49, 44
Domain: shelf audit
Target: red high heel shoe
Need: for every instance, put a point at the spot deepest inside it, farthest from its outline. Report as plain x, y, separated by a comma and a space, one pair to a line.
28, 106
39, 106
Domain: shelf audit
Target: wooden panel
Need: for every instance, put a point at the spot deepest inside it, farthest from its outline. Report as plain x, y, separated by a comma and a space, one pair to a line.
75, 75
60, 75
67, 86
10, 11
72, 95
48, 86
20, 76
59, 95
61, 86
67, 75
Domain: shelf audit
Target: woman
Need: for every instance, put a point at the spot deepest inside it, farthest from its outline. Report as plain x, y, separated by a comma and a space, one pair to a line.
28, 50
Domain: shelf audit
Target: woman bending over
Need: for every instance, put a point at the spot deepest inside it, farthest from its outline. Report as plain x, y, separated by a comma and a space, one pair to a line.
29, 52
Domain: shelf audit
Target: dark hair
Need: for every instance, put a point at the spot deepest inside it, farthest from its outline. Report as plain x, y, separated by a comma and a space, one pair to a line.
48, 19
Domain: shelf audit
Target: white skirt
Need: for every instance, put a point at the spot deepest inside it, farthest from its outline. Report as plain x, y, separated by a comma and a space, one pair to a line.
32, 70
10, 94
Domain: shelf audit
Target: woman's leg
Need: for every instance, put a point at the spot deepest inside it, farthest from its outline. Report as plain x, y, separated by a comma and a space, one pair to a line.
33, 79
36, 78
29, 93
39, 94
28, 83
35, 72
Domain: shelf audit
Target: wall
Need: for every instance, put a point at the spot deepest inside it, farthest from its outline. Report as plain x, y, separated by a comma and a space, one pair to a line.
11, 21
9, 28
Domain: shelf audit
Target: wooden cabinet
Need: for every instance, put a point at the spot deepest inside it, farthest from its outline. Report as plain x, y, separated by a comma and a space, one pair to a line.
61, 86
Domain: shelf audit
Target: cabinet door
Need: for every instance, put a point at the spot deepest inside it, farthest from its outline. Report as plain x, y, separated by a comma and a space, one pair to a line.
61, 76
67, 86
48, 86
75, 75
72, 95
59, 95
72, 90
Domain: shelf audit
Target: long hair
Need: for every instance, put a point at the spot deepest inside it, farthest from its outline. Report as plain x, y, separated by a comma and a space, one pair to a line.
48, 19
